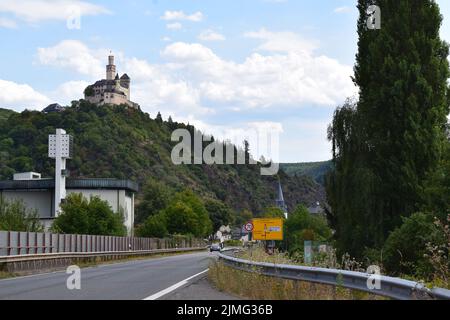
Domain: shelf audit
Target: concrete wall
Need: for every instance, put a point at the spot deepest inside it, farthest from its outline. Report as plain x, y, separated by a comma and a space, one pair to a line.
116, 199
115, 98
33, 199
43, 202
20, 243
101, 97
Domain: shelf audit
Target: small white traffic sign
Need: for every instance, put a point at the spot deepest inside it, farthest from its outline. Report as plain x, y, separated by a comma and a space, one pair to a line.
249, 227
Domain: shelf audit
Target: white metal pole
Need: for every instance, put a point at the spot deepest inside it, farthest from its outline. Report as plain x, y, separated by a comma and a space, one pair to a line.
60, 179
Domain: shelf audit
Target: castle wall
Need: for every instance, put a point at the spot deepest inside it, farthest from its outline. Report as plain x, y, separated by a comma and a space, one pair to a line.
114, 98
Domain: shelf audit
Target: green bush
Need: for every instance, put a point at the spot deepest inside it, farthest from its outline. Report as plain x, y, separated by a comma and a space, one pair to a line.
89, 91
94, 217
154, 226
219, 213
155, 198
405, 249
14, 216
184, 215
233, 243
273, 212
301, 226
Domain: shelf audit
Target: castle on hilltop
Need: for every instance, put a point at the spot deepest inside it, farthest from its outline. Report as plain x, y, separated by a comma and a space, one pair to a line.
112, 90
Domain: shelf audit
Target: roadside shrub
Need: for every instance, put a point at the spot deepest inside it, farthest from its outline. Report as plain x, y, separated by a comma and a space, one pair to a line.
438, 255
302, 226
405, 248
154, 226
14, 216
95, 217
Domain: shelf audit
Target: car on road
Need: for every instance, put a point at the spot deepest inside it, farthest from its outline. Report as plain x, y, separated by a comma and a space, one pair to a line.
214, 247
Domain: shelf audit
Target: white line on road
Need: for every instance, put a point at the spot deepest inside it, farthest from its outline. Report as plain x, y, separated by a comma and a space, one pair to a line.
174, 287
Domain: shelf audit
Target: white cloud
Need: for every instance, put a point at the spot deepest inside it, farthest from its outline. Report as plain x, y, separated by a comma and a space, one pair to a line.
344, 9
75, 55
68, 91
7, 23
211, 35
156, 89
174, 26
262, 81
181, 16
33, 11
183, 52
309, 141
193, 82
284, 41
21, 96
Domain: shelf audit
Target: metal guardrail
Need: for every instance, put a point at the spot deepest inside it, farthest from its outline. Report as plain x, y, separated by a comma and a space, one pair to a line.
394, 288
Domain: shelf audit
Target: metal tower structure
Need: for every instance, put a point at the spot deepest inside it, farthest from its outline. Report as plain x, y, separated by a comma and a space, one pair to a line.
60, 148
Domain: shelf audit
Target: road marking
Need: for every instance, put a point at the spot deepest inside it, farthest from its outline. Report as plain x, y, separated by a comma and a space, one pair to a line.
174, 287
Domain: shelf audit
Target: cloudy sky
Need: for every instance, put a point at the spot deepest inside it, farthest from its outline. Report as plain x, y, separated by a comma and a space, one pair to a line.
230, 67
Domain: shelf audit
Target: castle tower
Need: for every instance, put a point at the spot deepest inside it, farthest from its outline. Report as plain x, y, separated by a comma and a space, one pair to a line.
110, 68
125, 82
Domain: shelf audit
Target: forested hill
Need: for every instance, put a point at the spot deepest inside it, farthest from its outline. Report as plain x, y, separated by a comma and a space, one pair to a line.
314, 170
115, 142
4, 114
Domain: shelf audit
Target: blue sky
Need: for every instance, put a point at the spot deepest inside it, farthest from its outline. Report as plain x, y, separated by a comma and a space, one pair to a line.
231, 67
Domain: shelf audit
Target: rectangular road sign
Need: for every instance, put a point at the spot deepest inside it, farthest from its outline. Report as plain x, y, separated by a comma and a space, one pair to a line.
268, 229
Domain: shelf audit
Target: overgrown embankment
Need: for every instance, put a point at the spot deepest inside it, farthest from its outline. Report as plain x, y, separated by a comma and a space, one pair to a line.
250, 285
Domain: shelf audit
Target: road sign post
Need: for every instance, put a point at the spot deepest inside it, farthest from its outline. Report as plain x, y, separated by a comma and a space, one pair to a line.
268, 229
249, 228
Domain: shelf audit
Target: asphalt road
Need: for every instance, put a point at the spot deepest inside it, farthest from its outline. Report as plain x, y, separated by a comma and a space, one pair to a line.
158, 278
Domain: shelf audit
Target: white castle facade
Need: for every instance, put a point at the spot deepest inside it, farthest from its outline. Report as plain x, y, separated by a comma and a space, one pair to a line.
112, 90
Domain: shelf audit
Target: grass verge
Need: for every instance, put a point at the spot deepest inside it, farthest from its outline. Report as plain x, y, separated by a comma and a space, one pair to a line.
6, 275
253, 286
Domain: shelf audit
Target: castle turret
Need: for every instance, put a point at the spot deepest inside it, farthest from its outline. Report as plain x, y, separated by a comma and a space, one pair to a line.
110, 68
125, 82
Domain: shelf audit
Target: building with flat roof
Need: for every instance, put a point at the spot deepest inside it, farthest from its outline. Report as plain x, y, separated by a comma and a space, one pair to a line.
316, 209
39, 194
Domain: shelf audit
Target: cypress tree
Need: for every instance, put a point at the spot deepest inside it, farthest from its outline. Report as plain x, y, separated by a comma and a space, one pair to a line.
397, 130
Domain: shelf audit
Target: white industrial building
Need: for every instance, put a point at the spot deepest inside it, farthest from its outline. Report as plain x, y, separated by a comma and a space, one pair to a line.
46, 195
39, 194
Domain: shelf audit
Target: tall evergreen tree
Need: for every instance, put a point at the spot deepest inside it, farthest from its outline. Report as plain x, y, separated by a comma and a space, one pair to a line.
394, 137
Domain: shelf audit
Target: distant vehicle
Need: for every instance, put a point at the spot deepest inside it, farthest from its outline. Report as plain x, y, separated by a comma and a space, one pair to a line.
215, 247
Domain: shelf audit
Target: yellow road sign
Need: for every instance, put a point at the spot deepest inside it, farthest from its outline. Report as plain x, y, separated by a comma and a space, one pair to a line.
267, 229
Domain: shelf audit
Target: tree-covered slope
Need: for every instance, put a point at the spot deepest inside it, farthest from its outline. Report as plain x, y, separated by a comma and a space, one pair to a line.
115, 142
315, 170
4, 114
